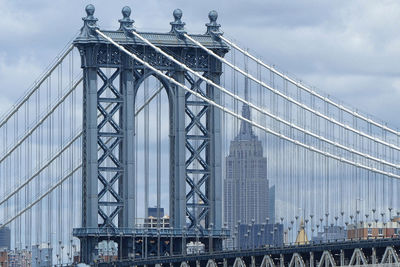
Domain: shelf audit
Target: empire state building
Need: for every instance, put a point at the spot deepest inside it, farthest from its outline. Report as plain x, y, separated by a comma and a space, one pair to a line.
247, 195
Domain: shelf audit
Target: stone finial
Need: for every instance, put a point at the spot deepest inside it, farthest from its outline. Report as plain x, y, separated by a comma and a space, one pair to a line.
213, 26
126, 23
177, 26
89, 23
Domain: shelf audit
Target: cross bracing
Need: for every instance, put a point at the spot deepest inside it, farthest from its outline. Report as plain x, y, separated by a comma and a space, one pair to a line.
348, 167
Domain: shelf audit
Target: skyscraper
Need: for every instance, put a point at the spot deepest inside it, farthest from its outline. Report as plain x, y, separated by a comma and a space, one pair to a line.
247, 196
271, 204
246, 184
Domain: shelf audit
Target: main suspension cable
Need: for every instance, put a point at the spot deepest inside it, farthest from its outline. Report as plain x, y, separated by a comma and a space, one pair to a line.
211, 102
36, 86
309, 90
69, 144
56, 156
40, 122
289, 98
262, 110
41, 197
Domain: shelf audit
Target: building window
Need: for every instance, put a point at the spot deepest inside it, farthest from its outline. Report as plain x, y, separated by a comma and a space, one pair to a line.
396, 231
370, 231
380, 231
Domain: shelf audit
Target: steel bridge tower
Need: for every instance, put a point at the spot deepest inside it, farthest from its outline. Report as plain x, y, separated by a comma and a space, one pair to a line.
108, 141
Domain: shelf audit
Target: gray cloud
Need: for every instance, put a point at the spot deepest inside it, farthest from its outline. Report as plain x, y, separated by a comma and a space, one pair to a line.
347, 49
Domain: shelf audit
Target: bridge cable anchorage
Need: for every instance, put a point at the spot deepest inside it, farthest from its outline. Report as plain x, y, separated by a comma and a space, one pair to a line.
263, 110
40, 122
291, 99
36, 86
170, 79
309, 90
41, 197
76, 137
56, 156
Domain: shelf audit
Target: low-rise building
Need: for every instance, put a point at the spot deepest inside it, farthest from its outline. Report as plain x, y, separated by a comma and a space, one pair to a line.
367, 230
4, 258
42, 255
152, 222
330, 234
19, 258
258, 235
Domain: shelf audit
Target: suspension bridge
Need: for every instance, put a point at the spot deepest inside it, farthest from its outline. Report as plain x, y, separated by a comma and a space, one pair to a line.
124, 120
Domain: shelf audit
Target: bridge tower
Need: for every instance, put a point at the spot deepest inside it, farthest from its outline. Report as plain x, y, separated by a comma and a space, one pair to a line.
108, 152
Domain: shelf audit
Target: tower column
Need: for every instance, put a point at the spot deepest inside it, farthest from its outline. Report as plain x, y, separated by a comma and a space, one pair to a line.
127, 183
214, 151
178, 156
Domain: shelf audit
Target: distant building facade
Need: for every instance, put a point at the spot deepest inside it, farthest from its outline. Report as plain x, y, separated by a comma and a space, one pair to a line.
42, 256
19, 258
330, 233
367, 230
3, 257
247, 196
107, 251
271, 204
195, 247
153, 222
5, 238
259, 235
152, 212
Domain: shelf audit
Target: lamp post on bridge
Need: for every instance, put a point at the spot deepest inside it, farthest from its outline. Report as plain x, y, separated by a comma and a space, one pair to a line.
252, 232
210, 233
357, 213
238, 237
292, 237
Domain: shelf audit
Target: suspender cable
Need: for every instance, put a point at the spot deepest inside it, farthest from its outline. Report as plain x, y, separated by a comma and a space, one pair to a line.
298, 84
27, 181
40, 122
222, 108
158, 158
36, 86
41, 197
289, 98
146, 150
258, 108
64, 148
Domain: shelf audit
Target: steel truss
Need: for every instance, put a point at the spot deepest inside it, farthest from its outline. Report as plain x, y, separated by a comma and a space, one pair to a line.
111, 81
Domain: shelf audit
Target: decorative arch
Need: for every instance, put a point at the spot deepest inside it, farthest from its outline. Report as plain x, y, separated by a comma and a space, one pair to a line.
267, 262
327, 259
239, 263
297, 261
140, 78
390, 256
358, 258
211, 263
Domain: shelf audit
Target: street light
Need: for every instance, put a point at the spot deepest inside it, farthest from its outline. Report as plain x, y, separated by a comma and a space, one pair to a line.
158, 242
210, 245
262, 234
120, 245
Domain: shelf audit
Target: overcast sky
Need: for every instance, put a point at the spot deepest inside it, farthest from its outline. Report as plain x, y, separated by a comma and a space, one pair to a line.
348, 49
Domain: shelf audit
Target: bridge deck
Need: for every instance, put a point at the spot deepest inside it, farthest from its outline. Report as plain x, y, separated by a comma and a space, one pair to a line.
273, 251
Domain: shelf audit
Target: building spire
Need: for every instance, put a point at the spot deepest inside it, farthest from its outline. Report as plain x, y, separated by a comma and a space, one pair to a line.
246, 131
